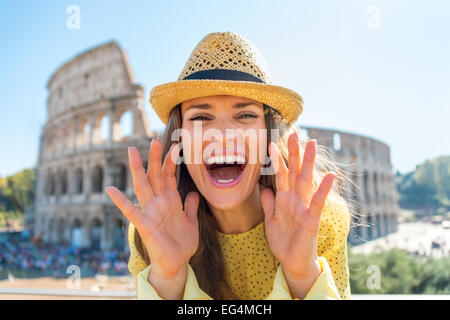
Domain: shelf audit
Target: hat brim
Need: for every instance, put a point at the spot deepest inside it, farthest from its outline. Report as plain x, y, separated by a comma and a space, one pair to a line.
166, 96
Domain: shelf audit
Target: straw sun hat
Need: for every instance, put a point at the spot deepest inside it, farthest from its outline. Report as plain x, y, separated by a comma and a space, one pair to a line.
225, 63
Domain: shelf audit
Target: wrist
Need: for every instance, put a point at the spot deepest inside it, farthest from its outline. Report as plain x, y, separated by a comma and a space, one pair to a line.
169, 286
160, 273
300, 283
303, 274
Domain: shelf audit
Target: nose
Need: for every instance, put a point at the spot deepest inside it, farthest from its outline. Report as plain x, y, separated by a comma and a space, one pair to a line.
226, 136
226, 132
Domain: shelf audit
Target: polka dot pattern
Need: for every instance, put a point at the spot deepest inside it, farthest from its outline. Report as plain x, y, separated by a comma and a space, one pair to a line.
250, 266
136, 263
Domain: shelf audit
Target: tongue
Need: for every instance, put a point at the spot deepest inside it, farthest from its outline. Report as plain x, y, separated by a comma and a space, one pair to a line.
226, 173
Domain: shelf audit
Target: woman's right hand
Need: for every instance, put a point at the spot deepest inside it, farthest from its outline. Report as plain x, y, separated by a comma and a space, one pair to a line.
169, 232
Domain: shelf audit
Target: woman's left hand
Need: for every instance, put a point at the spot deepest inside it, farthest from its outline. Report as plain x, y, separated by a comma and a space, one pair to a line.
292, 216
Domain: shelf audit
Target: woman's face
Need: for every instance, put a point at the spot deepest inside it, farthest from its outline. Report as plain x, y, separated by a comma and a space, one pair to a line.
224, 146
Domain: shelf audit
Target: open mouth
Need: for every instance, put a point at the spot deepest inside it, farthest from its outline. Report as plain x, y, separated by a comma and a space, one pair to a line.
225, 171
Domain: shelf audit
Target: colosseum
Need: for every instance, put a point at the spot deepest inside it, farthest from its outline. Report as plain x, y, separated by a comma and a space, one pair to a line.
95, 111
373, 192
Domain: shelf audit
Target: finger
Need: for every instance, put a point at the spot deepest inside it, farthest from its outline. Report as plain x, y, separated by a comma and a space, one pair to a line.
281, 171
320, 196
141, 185
191, 203
169, 167
304, 181
154, 172
127, 208
293, 160
268, 203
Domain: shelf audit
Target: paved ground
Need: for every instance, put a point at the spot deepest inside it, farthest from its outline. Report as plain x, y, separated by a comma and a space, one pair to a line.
421, 238
43, 288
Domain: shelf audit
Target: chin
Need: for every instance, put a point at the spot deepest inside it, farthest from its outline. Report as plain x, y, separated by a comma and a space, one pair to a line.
221, 202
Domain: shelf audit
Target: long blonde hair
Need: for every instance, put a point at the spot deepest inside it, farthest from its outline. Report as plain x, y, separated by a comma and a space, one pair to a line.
207, 262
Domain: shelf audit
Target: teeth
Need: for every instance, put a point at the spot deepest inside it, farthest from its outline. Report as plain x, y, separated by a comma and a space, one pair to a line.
224, 181
225, 159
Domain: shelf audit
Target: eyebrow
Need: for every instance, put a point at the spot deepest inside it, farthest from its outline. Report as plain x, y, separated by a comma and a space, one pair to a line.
203, 106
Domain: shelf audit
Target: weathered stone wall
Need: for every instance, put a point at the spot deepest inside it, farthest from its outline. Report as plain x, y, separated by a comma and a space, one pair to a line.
95, 111
368, 163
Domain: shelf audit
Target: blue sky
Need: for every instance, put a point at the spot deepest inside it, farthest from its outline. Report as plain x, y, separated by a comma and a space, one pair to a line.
391, 82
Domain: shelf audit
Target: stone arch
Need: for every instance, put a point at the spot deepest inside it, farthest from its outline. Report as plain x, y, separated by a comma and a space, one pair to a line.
83, 132
97, 127
76, 233
62, 177
58, 138
50, 184
120, 177
337, 141
95, 233
78, 181
370, 227
53, 230
126, 124
97, 179
366, 185
104, 128
376, 185
68, 135
378, 225
49, 144
386, 223
61, 231
118, 234
354, 187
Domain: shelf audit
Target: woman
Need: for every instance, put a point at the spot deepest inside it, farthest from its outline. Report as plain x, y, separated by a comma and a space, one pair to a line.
218, 224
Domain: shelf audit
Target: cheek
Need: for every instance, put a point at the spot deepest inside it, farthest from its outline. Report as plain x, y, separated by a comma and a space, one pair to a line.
258, 147
195, 173
192, 146
192, 153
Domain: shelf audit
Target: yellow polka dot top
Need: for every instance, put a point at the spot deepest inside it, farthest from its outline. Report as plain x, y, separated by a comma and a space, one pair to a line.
250, 266
253, 272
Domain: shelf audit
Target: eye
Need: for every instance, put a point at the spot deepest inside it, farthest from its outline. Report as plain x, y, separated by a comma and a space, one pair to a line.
199, 118
247, 115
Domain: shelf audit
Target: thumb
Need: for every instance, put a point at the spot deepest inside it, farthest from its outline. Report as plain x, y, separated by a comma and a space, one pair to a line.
191, 205
268, 203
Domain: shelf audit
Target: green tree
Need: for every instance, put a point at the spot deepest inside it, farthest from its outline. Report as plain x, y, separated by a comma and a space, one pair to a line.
427, 186
400, 273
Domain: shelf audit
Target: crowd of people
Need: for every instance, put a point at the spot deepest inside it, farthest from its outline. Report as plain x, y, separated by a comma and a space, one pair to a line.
28, 260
